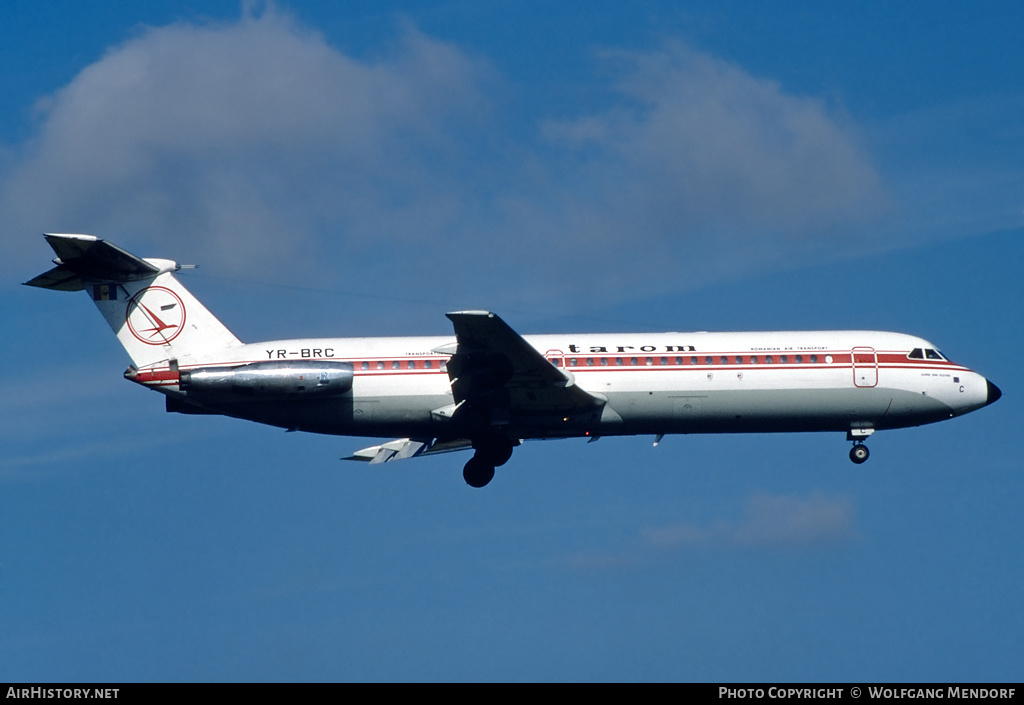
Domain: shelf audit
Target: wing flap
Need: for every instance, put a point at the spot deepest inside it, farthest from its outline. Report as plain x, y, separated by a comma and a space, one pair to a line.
403, 448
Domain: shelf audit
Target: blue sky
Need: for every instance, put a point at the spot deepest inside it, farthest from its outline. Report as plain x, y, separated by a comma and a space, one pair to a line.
338, 169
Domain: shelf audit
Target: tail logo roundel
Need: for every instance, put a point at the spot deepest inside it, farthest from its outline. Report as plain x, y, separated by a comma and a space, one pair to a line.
156, 315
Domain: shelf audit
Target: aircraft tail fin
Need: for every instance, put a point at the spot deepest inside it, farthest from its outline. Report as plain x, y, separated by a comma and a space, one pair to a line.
152, 314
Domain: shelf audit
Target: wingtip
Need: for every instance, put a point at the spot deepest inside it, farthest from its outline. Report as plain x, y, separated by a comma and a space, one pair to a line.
72, 236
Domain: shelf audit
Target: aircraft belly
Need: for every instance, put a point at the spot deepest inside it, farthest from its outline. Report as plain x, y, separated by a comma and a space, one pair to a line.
346, 415
380, 407
734, 411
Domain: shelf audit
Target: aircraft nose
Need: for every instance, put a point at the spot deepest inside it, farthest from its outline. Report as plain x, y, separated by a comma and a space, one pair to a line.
993, 393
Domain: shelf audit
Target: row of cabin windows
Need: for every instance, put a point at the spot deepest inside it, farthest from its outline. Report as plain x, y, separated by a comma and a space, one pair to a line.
605, 361
401, 365
692, 360
915, 354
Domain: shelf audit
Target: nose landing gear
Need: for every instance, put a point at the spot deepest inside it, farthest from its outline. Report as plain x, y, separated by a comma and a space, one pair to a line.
859, 453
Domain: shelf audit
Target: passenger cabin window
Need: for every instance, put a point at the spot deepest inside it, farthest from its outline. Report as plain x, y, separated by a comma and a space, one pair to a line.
365, 365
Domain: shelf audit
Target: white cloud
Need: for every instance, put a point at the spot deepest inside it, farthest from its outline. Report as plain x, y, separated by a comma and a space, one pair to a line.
244, 142
719, 170
769, 521
256, 145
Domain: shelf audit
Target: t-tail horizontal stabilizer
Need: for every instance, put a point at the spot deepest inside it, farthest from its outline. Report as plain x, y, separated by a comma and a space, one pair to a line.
85, 257
152, 314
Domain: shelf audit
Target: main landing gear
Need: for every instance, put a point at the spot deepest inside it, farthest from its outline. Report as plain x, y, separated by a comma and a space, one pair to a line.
859, 453
490, 453
477, 472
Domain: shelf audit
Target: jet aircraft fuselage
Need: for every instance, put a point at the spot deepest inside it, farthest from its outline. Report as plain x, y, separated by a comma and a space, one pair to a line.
486, 387
722, 383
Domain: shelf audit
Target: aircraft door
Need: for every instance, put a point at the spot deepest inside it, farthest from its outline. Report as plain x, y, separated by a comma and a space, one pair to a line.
865, 367
556, 358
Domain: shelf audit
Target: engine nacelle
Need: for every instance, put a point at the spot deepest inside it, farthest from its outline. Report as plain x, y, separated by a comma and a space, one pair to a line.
271, 379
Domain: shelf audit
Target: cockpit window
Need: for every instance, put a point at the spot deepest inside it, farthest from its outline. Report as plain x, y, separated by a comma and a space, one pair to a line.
933, 354
916, 354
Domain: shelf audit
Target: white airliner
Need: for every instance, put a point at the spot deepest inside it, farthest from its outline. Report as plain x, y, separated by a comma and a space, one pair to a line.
487, 388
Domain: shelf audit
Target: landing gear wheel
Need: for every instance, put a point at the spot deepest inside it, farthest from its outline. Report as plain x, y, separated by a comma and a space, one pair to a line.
495, 451
496, 455
859, 453
477, 472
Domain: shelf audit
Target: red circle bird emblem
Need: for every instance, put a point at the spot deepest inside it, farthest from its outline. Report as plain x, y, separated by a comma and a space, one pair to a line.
156, 315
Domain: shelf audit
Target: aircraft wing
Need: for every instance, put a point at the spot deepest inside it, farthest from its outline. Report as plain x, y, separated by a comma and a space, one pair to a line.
494, 369
495, 376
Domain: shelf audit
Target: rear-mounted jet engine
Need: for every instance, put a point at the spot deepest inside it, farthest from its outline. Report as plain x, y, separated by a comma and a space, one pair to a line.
266, 380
